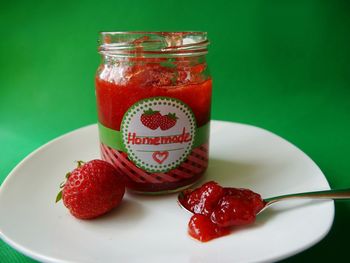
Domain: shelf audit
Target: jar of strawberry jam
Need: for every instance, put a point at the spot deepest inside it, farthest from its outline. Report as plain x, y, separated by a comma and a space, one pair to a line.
153, 93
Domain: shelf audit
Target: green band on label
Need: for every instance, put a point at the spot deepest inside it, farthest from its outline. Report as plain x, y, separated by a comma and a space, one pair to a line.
110, 137
113, 138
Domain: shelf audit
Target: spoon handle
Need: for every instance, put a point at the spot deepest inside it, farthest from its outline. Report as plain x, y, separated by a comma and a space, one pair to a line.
328, 194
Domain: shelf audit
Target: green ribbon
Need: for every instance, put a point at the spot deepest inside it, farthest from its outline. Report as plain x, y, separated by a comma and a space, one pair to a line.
113, 138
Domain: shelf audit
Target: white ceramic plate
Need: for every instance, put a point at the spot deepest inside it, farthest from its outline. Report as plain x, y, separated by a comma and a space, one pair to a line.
153, 228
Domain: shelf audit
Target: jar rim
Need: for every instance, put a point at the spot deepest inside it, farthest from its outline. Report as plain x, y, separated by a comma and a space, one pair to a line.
153, 43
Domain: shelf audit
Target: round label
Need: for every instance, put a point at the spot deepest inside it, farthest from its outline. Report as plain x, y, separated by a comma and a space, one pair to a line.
158, 133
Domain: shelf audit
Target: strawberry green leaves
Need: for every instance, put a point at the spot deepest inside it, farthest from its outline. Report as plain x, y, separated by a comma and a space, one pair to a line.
59, 195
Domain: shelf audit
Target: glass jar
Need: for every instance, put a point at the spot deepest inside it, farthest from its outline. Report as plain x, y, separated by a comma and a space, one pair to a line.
153, 93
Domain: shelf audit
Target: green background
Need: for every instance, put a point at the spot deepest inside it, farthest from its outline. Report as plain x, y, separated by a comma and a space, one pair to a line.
280, 65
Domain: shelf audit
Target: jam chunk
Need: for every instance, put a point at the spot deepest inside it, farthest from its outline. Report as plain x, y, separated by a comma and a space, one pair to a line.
204, 199
233, 211
217, 209
203, 229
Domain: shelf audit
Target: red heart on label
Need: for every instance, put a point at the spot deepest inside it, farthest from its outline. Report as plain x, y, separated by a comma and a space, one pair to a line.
160, 157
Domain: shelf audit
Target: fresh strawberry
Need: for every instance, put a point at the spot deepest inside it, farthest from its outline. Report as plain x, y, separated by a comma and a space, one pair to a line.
203, 200
92, 189
202, 228
151, 119
168, 121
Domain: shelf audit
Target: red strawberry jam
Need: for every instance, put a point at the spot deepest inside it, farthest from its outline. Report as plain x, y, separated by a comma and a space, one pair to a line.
253, 198
153, 105
115, 98
204, 199
203, 229
233, 211
217, 209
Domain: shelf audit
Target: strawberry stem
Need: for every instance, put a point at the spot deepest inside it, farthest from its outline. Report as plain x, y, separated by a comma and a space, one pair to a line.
150, 112
172, 116
59, 196
80, 163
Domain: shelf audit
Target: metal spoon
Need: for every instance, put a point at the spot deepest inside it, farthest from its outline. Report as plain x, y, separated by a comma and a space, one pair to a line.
328, 194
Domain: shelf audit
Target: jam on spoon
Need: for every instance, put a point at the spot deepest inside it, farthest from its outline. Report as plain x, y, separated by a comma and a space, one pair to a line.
202, 228
217, 209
